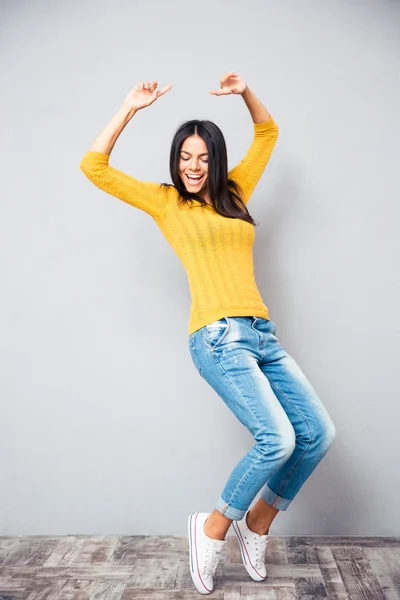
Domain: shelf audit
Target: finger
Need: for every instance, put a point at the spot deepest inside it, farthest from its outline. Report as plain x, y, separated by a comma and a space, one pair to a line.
223, 92
229, 78
165, 89
227, 75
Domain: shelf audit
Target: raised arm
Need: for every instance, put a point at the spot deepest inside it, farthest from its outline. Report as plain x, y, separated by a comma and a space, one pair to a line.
249, 170
147, 196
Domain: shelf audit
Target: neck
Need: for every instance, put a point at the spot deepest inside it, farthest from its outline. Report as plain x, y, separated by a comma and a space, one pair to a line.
205, 196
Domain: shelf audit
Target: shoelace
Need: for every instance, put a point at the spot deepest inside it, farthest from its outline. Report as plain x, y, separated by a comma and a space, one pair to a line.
212, 559
261, 546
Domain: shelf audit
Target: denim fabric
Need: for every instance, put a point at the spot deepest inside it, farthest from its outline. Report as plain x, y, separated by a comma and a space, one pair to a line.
243, 361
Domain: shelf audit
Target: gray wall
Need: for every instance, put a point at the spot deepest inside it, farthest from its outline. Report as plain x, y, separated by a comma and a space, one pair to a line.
106, 426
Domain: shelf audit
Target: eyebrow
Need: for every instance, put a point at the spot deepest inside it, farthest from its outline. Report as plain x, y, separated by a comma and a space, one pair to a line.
203, 154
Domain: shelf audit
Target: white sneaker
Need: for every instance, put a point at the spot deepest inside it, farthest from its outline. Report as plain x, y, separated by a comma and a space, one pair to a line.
204, 553
252, 546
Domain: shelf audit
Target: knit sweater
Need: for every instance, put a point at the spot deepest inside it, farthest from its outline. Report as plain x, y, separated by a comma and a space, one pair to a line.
216, 251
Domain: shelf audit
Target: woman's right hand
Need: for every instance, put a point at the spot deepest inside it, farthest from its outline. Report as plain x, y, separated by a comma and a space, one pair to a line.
144, 94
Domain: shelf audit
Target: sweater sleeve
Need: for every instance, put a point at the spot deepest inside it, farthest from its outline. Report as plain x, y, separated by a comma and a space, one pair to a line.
249, 170
147, 196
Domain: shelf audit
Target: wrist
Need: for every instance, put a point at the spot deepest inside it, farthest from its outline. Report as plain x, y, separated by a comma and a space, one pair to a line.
127, 110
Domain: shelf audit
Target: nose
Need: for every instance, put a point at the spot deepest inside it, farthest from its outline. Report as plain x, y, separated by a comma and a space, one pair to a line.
194, 165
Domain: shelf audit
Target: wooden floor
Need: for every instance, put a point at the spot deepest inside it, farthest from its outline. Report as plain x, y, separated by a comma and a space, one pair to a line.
157, 568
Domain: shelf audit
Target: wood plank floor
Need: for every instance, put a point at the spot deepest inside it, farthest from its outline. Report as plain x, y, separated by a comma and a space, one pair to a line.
157, 568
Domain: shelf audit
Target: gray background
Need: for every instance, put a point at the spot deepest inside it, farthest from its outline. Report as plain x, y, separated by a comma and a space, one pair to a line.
106, 426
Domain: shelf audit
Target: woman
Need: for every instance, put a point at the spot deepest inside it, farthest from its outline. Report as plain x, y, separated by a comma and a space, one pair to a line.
232, 340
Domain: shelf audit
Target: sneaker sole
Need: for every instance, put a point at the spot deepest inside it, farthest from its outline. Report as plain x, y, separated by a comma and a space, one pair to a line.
193, 564
252, 571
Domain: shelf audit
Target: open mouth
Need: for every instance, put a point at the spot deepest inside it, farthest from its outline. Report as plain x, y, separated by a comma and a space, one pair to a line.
194, 180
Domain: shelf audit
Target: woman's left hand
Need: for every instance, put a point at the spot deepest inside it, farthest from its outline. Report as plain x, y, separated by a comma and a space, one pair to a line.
231, 83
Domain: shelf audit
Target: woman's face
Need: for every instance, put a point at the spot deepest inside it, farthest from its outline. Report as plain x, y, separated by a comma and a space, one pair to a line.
193, 161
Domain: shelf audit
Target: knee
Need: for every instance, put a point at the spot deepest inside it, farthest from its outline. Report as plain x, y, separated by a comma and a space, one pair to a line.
287, 443
281, 443
327, 435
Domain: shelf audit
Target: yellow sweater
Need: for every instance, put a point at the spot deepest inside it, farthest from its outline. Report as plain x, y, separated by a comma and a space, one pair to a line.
216, 251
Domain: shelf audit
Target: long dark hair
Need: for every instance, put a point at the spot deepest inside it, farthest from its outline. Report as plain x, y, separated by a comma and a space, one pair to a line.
225, 193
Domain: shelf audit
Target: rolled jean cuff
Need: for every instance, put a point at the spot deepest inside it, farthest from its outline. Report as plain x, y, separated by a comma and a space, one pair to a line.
229, 511
273, 499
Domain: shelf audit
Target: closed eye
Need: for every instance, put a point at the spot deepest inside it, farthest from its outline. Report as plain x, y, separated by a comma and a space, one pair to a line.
203, 159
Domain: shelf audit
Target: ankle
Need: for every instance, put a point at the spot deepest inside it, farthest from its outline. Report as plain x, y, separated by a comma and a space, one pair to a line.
212, 531
256, 525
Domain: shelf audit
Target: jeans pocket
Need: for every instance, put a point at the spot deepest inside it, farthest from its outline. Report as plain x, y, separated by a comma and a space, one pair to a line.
215, 332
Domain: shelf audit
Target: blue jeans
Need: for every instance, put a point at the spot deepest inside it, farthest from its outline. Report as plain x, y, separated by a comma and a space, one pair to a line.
243, 361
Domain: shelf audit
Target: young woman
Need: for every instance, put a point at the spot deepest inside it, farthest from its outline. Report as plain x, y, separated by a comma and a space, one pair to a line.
231, 338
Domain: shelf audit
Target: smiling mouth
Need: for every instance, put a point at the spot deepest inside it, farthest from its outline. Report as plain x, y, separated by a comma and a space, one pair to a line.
194, 180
